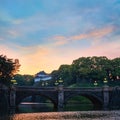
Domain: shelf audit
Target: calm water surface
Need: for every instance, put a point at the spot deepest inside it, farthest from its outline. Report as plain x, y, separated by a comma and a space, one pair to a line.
27, 107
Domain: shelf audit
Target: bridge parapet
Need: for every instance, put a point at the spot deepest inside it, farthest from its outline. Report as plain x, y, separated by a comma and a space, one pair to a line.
28, 88
83, 89
31, 88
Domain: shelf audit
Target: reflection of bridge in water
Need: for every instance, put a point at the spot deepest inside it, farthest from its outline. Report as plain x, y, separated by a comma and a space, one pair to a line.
105, 97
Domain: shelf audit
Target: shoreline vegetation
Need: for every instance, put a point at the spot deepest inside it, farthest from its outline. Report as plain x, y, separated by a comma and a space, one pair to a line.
81, 115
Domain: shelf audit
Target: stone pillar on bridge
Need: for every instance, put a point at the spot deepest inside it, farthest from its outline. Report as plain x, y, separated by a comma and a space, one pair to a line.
12, 100
106, 97
60, 98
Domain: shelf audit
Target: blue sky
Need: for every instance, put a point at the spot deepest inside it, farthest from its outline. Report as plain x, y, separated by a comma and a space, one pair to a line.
43, 34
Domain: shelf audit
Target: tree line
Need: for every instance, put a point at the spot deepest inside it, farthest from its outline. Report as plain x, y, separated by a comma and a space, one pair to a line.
84, 70
88, 70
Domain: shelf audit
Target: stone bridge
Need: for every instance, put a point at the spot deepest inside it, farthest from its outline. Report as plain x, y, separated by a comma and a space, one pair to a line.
104, 97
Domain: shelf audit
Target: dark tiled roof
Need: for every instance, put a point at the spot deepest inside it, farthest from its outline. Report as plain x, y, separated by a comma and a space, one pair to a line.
42, 73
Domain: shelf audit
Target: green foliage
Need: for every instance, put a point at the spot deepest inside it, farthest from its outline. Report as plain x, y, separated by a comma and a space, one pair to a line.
80, 99
24, 79
8, 68
89, 69
78, 103
64, 71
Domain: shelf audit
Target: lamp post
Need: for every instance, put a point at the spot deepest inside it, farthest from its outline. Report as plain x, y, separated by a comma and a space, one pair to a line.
60, 95
95, 83
105, 81
56, 83
13, 96
105, 94
13, 82
42, 84
46, 83
60, 81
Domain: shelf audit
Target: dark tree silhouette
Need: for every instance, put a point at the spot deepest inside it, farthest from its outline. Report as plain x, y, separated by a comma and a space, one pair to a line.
8, 68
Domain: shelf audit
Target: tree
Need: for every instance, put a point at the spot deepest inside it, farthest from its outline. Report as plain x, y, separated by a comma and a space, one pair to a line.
8, 68
24, 80
65, 74
82, 69
116, 67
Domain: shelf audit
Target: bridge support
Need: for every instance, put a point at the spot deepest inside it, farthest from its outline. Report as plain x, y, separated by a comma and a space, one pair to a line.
60, 98
105, 97
12, 100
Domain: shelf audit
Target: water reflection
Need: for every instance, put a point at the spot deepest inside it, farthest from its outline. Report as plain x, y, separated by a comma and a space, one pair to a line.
79, 103
79, 107
28, 107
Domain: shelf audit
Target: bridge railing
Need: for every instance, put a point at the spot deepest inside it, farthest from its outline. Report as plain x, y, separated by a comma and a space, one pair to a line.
29, 88
32, 88
83, 89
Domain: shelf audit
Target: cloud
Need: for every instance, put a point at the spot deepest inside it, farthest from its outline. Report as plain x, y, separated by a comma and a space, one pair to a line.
108, 49
111, 50
13, 33
79, 37
17, 21
59, 40
95, 34
6, 50
101, 32
92, 35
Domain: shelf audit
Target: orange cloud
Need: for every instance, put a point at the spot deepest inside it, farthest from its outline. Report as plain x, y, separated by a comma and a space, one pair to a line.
101, 32
95, 34
59, 40
6, 50
79, 37
110, 50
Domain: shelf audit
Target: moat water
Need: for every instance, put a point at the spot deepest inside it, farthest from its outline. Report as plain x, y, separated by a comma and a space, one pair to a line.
28, 107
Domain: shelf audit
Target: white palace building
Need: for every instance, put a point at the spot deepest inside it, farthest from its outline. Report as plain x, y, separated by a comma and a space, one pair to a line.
42, 76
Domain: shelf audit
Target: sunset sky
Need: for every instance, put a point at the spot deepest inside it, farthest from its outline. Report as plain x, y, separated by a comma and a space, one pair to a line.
43, 34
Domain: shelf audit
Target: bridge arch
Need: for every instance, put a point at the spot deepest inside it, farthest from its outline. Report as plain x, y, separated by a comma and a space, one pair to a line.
20, 97
96, 101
